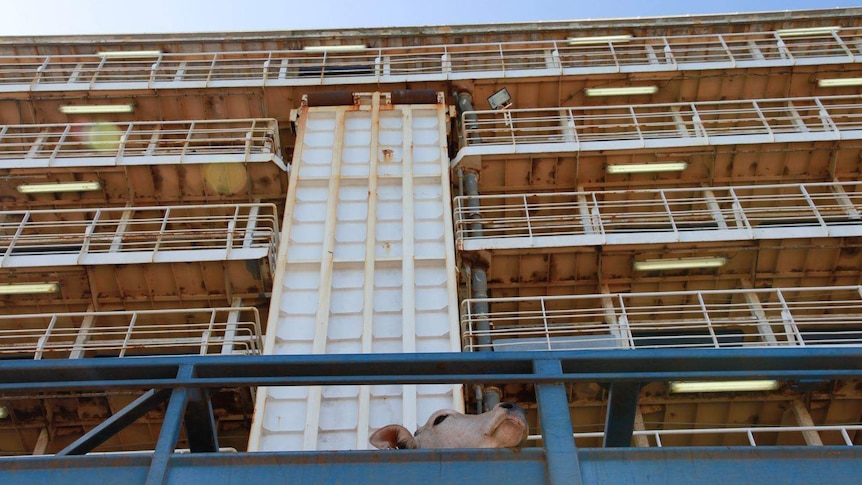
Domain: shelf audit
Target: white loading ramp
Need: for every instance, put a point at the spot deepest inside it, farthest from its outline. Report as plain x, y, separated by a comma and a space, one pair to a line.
366, 264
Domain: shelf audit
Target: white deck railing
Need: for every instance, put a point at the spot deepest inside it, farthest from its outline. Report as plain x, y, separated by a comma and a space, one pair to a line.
424, 63
229, 330
569, 129
129, 235
694, 214
819, 316
840, 434
139, 143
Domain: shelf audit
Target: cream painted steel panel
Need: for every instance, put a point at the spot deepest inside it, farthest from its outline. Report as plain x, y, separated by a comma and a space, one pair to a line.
694, 214
108, 144
626, 127
762, 317
134, 235
497, 60
366, 265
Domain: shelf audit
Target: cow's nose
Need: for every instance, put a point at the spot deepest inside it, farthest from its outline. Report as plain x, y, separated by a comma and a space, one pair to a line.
507, 405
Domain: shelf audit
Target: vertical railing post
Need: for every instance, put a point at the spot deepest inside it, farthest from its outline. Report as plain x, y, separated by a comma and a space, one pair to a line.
231, 228
790, 327
816, 212
208, 333
825, 119
625, 325
161, 233
128, 337
763, 119
669, 214
14, 240
739, 213
43, 340
154, 68
783, 51
121, 150
561, 455
697, 123
545, 324
637, 125
60, 143
88, 235
708, 320
727, 50
843, 45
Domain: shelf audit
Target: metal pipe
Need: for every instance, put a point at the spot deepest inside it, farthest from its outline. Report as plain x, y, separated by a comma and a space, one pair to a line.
492, 397
465, 105
480, 308
471, 188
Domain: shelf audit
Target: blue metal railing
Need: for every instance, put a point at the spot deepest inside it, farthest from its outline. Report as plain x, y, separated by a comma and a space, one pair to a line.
558, 461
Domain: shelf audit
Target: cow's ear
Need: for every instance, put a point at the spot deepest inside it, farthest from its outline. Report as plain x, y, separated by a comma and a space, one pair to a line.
393, 436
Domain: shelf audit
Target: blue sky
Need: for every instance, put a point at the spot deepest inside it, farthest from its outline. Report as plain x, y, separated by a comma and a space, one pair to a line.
45, 17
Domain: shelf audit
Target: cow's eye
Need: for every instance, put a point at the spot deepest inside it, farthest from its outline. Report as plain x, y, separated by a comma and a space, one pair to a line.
439, 419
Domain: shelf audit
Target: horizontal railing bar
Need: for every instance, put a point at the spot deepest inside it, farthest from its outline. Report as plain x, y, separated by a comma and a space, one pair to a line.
819, 317
728, 430
676, 210
41, 334
347, 369
439, 61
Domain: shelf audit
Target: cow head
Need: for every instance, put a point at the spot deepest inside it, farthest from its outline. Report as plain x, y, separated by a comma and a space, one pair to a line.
504, 426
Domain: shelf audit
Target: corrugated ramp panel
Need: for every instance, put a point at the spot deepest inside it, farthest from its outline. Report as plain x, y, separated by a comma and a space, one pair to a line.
366, 264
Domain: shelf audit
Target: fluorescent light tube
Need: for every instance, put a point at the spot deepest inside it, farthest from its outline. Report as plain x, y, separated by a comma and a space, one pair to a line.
836, 83
129, 54
600, 39
335, 48
646, 167
25, 288
678, 263
723, 386
59, 187
97, 108
629, 91
807, 31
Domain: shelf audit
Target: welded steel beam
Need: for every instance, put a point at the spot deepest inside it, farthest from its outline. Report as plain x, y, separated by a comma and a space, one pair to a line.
606, 466
170, 432
560, 452
642, 365
200, 422
620, 419
116, 422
